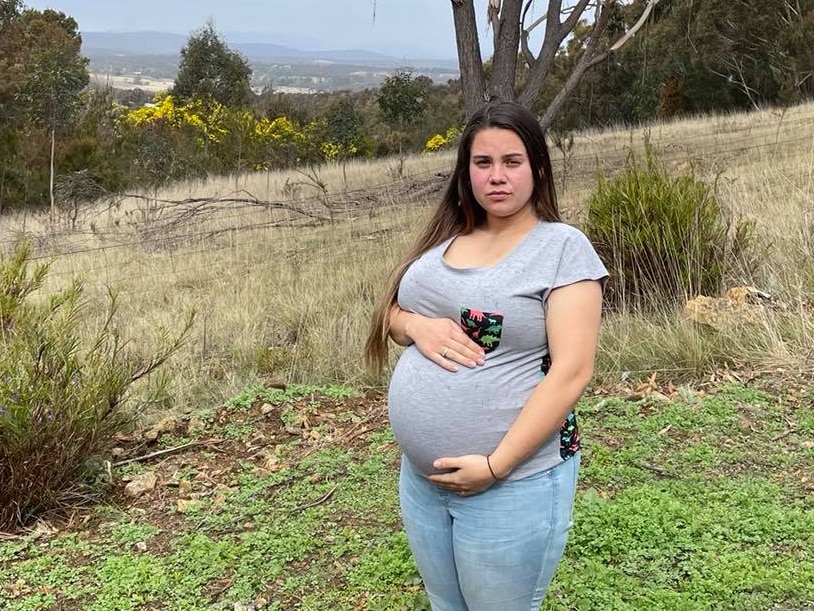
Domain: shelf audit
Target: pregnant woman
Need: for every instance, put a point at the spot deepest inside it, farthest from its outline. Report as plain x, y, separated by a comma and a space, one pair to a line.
499, 307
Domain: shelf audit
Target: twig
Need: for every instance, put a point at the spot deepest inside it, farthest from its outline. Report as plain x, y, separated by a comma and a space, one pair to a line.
10, 537
783, 434
359, 433
655, 469
214, 596
319, 501
157, 454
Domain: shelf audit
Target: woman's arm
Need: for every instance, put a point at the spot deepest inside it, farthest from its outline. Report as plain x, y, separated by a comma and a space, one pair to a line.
439, 339
572, 325
573, 316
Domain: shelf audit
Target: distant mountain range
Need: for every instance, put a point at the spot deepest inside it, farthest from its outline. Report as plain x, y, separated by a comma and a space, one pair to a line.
95, 44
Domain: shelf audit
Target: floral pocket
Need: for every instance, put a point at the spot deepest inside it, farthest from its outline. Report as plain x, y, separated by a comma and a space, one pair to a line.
569, 437
484, 328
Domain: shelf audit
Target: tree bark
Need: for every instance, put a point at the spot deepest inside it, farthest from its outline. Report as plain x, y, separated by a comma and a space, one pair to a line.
511, 42
504, 63
469, 58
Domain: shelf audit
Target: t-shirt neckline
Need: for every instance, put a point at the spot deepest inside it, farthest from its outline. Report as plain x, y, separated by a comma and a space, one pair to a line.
485, 268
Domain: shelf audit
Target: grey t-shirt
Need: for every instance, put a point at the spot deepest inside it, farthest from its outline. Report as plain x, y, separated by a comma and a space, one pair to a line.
436, 413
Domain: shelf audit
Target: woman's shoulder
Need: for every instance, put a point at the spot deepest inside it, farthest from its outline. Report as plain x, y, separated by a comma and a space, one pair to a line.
560, 228
559, 234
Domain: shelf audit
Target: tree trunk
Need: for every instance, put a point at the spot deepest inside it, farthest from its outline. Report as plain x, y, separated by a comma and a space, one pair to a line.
51, 181
511, 41
504, 63
2, 188
473, 86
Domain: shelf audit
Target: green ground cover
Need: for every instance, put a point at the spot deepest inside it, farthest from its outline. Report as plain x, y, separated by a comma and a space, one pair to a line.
691, 501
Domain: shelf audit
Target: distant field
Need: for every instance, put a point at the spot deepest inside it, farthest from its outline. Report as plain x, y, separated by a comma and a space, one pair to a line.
131, 81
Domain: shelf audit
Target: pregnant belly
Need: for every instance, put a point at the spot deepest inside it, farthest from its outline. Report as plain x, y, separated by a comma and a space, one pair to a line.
435, 413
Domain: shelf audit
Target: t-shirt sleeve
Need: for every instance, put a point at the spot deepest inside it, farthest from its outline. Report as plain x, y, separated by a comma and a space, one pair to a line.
578, 261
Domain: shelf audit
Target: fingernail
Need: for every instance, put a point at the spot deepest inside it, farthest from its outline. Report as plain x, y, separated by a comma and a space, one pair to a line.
481, 361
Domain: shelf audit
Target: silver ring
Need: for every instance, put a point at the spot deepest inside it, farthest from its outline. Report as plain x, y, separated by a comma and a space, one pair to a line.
444, 353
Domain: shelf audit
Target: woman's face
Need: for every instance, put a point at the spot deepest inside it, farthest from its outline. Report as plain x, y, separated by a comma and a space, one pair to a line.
500, 174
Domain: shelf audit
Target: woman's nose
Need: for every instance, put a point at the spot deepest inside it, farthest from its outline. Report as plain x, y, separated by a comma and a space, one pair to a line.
497, 175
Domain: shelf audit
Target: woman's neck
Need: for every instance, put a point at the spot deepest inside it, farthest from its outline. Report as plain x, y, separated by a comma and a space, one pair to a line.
509, 226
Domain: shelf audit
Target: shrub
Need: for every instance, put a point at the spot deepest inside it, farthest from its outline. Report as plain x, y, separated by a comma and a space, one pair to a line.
62, 399
663, 238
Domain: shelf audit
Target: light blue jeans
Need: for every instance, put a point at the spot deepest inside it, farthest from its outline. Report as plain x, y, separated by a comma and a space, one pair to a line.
493, 551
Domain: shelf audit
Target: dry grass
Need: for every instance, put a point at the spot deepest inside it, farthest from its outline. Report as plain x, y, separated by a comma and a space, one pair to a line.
283, 293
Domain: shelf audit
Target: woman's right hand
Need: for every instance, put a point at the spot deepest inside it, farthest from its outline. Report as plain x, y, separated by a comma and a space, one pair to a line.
441, 340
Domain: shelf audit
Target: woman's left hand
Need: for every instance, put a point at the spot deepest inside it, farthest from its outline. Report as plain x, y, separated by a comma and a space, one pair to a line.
466, 475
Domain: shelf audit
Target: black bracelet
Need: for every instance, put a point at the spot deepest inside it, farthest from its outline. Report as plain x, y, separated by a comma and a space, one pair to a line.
492, 471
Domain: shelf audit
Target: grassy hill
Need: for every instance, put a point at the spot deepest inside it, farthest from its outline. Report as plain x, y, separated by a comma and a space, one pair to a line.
275, 478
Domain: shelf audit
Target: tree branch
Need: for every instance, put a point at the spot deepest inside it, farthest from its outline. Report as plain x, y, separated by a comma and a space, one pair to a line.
601, 22
628, 36
528, 56
591, 57
555, 33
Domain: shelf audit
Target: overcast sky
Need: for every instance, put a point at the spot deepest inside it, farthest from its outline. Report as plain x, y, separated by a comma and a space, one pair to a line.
416, 28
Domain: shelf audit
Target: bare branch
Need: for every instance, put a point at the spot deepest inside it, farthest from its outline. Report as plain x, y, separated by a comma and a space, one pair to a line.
540, 20
166, 452
493, 16
635, 29
528, 56
555, 33
581, 67
571, 22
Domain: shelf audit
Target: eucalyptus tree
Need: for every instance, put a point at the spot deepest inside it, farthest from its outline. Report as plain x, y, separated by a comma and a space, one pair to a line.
402, 102
11, 76
211, 71
514, 24
56, 74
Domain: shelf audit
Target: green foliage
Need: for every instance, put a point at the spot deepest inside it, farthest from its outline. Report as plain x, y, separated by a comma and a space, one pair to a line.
43, 74
670, 515
695, 56
57, 72
663, 238
401, 98
62, 400
402, 103
344, 123
209, 70
283, 396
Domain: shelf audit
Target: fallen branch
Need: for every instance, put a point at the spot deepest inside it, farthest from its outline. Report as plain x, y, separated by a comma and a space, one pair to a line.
783, 434
655, 469
319, 501
166, 452
10, 537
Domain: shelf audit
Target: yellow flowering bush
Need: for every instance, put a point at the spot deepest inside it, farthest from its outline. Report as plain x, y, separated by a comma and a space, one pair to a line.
204, 135
442, 141
276, 131
436, 143
204, 118
333, 151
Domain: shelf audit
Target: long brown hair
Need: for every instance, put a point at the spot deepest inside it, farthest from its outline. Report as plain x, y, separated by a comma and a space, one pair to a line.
459, 212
